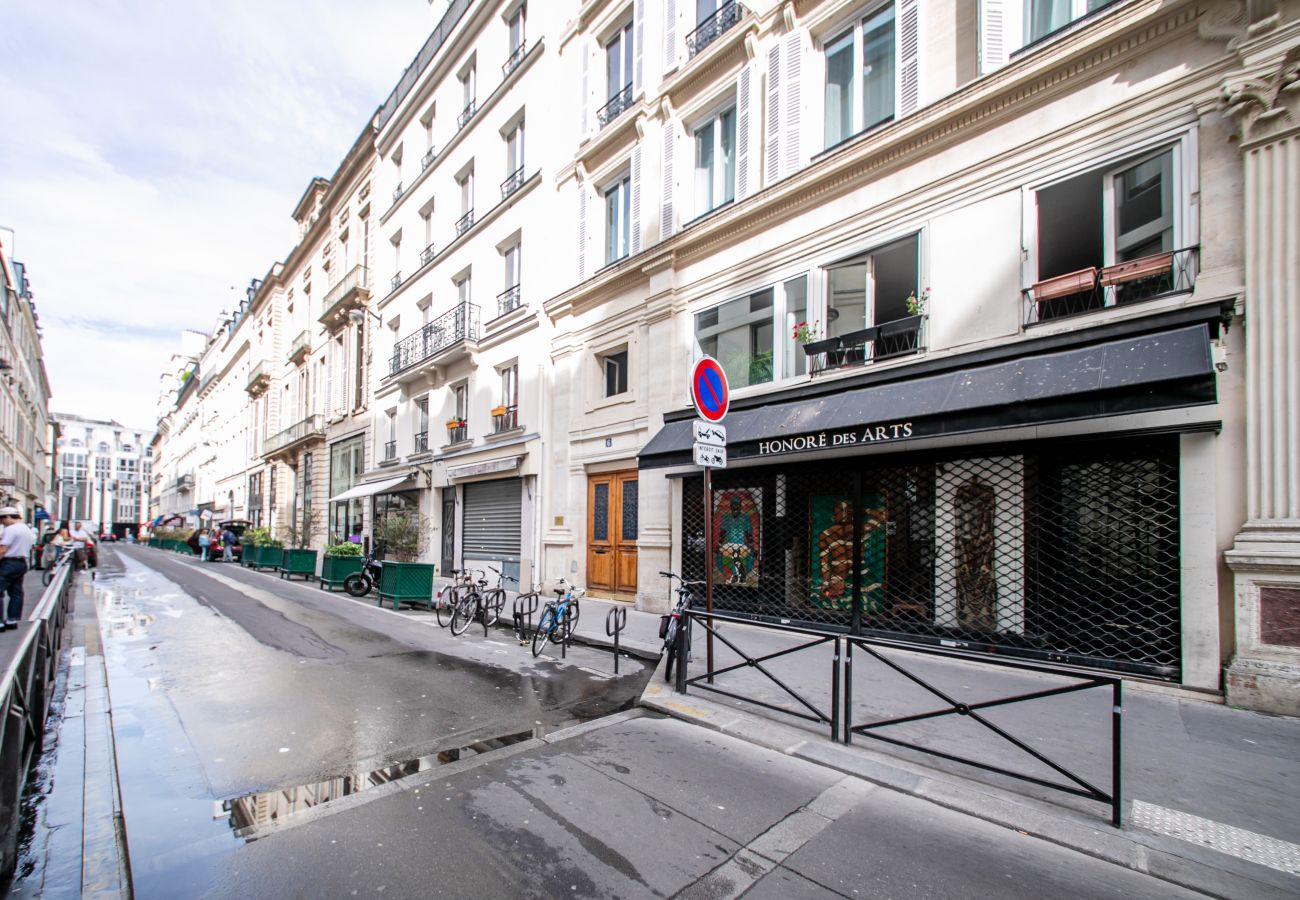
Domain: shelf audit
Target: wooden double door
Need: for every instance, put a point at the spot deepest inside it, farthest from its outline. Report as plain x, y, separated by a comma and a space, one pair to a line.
612, 532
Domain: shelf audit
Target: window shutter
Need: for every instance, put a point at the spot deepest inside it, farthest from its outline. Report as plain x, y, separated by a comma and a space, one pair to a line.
582, 121
909, 68
666, 210
773, 161
1001, 32
793, 102
635, 224
670, 34
743, 89
638, 39
582, 230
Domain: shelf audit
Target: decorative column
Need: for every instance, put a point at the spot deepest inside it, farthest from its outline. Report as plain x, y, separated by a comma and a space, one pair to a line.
1265, 560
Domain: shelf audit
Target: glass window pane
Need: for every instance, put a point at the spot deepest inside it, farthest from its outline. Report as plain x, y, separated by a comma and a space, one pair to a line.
729, 155
894, 270
839, 90
878, 68
600, 511
796, 311
704, 169
611, 225
1045, 16
626, 223
627, 57
1144, 216
614, 67
847, 303
704, 9
628, 526
739, 334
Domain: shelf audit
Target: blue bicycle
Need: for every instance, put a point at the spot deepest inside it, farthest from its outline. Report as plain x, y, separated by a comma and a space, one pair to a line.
559, 617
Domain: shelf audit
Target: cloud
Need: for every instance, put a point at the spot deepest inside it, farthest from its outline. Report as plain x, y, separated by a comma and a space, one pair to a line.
154, 152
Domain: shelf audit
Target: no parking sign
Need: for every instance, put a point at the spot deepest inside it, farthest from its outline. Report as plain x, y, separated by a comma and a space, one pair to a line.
709, 390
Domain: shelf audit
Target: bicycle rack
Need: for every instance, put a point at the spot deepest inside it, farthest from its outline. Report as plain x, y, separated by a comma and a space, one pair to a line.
615, 622
525, 606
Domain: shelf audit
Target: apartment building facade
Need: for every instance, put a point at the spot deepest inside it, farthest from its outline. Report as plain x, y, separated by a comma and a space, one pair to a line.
977, 280
25, 469
105, 470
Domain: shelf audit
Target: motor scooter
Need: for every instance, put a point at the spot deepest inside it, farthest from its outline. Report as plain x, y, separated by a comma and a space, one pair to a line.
361, 583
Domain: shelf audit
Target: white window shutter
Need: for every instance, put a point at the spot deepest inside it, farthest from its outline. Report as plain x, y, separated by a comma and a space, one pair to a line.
772, 163
666, 210
908, 48
744, 88
638, 41
793, 112
670, 35
1001, 32
582, 230
635, 224
582, 121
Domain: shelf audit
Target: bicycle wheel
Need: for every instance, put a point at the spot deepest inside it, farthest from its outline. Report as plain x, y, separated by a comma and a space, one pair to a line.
493, 601
463, 613
445, 606
545, 625
670, 644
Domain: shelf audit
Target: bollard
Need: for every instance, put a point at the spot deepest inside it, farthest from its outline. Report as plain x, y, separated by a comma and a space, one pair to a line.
615, 622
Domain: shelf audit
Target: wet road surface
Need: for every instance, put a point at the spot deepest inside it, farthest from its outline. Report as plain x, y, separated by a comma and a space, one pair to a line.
227, 683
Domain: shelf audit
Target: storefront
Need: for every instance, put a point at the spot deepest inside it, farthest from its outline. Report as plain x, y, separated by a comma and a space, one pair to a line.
347, 462
1034, 505
487, 513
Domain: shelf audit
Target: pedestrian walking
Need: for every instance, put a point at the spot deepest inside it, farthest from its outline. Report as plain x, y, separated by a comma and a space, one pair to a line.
205, 541
15, 543
228, 543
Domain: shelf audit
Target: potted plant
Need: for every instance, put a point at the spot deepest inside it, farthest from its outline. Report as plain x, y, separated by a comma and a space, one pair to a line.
401, 579
454, 423
806, 334
297, 558
252, 541
340, 561
916, 306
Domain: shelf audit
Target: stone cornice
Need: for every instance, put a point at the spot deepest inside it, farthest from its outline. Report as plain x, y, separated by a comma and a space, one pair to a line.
1264, 100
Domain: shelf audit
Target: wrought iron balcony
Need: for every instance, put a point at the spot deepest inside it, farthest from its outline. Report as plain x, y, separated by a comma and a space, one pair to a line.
426, 255
390, 451
507, 300
466, 114
614, 108
300, 347
714, 27
514, 181
458, 434
427, 159
507, 421
304, 430
397, 192
1092, 289
353, 288
448, 330
395, 282
464, 222
421, 442
185, 482
512, 62
901, 337
258, 379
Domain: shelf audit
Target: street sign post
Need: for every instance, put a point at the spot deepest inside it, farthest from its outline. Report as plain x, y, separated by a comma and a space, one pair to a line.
712, 398
710, 457
709, 391
709, 433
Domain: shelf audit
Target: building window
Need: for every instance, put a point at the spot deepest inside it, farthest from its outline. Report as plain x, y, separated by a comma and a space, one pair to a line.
390, 445
421, 425
515, 149
715, 162
618, 63
614, 367
467, 96
506, 415
740, 335
466, 184
618, 213
463, 290
509, 298
873, 288
255, 499
346, 465
457, 422
1046, 16
860, 79
515, 27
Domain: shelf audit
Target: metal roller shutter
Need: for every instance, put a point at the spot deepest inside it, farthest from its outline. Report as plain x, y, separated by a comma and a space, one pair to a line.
493, 514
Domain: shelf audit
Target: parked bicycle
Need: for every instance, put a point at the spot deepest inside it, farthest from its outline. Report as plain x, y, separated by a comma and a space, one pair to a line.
670, 623
559, 617
444, 602
47, 573
469, 603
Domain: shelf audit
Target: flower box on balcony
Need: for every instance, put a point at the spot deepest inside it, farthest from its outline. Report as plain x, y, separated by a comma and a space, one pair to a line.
453, 424
1066, 285
498, 412
1137, 269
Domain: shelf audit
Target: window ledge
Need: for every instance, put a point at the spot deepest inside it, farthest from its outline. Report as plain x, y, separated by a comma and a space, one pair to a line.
616, 400
459, 445
496, 436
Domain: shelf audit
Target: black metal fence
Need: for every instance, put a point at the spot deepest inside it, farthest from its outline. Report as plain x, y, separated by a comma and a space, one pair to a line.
1062, 552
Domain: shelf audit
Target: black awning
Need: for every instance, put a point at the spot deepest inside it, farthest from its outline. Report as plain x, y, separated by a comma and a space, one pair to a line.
1139, 374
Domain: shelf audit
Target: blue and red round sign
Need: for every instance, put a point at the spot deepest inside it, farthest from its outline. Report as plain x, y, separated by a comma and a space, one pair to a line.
709, 390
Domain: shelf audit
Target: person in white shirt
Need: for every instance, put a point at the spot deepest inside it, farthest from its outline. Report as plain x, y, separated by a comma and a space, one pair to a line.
15, 545
80, 543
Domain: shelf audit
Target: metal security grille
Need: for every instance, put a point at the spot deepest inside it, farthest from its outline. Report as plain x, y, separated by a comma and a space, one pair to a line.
1065, 552
492, 519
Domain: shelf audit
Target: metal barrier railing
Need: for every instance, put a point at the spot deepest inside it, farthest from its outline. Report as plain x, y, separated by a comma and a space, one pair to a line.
615, 622
25, 694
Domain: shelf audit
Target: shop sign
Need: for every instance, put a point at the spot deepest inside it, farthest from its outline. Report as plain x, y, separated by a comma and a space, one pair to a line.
710, 457
851, 437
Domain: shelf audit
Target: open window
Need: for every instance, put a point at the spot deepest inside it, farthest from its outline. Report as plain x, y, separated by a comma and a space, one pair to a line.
613, 368
871, 303
740, 335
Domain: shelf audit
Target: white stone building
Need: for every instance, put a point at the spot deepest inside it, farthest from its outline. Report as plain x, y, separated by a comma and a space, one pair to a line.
25, 471
104, 473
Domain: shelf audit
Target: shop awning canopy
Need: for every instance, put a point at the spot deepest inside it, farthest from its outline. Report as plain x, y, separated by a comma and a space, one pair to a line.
370, 488
1137, 374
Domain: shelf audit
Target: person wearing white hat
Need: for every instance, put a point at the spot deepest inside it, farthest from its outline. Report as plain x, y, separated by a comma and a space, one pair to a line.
15, 545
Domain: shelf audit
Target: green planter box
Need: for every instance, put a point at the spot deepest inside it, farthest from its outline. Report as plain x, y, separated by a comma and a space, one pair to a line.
402, 582
298, 562
334, 570
269, 558
248, 556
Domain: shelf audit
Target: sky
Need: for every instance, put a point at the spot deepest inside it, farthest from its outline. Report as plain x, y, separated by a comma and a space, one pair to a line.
151, 154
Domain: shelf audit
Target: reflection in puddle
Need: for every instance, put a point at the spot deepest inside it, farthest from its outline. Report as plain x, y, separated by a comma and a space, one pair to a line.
252, 810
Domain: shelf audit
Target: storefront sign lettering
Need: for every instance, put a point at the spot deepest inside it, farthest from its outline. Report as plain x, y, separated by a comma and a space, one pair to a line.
871, 434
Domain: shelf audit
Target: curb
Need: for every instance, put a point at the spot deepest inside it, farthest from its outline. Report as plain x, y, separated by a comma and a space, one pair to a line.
1185, 864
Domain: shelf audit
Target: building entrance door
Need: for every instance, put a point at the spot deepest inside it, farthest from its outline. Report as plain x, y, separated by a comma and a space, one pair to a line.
612, 532
448, 530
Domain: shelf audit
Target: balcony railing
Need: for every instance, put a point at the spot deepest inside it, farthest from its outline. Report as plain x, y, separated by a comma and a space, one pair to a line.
184, 482
458, 434
611, 110
300, 347
466, 114
258, 378
714, 27
507, 300
1092, 289
355, 285
427, 159
421, 442
395, 282
900, 337
509, 420
514, 59
514, 181
397, 192
452, 327
390, 451
464, 222
426, 255
310, 427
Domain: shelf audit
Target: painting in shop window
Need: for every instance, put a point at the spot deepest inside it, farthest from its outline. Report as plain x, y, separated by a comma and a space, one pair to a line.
831, 578
737, 536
